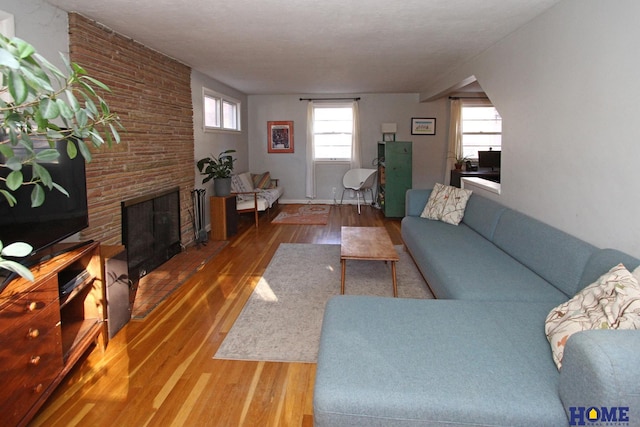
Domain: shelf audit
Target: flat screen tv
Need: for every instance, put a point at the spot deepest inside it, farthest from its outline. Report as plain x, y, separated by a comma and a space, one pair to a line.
489, 159
58, 217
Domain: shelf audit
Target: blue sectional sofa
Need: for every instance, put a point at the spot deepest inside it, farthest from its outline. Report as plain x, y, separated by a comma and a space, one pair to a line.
478, 354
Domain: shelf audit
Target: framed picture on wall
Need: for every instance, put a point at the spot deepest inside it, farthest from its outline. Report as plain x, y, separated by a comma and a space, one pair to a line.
280, 137
426, 126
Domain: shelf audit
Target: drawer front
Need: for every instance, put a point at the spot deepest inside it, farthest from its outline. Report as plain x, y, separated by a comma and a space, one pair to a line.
20, 308
30, 359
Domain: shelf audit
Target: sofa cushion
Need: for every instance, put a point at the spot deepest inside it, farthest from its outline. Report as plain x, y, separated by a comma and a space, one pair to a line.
261, 180
556, 256
601, 261
482, 215
459, 263
402, 362
446, 204
241, 183
612, 302
415, 200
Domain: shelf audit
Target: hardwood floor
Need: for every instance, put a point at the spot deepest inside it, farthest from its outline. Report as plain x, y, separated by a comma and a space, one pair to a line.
160, 372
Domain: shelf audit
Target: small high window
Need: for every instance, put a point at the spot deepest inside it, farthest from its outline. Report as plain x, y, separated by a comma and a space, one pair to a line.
220, 112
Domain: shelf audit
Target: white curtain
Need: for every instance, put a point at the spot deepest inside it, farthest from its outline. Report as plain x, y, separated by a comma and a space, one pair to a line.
455, 138
311, 170
355, 143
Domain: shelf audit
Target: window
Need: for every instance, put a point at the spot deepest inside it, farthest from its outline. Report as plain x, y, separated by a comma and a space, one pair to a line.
332, 131
481, 129
220, 112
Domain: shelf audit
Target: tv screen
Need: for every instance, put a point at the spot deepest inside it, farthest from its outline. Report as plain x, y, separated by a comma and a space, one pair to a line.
489, 159
59, 216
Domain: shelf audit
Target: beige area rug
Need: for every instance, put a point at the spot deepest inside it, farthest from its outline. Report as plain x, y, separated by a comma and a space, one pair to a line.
303, 214
282, 318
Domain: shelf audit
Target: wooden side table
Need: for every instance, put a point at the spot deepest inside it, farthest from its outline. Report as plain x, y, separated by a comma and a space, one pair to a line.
224, 217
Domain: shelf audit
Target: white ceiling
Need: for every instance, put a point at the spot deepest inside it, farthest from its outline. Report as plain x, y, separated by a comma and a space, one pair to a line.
315, 46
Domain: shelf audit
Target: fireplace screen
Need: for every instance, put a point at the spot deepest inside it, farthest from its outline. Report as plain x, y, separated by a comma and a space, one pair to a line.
151, 230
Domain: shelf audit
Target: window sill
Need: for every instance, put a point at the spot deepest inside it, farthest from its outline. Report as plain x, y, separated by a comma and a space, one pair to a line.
220, 130
332, 161
481, 183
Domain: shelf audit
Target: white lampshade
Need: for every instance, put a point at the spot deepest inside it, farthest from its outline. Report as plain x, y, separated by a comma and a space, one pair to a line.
389, 128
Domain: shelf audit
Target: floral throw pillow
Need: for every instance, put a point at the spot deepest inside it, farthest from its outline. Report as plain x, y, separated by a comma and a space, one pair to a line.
446, 204
612, 302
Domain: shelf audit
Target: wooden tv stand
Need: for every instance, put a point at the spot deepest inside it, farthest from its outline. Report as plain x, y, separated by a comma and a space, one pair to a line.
43, 335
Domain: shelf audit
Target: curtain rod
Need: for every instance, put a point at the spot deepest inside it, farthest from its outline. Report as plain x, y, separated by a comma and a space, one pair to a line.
329, 99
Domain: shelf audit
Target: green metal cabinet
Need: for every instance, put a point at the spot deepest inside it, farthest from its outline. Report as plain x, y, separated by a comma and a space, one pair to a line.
394, 176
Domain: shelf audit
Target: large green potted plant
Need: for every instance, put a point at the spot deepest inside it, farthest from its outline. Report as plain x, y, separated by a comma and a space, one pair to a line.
37, 99
219, 170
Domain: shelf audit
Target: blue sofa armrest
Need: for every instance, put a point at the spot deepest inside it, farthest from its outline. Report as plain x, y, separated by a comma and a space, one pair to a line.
415, 201
601, 369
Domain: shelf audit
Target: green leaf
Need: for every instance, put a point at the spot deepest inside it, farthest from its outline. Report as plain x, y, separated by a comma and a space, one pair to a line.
87, 88
91, 107
54, 133
47, 156
14, 163
10, 198
73, 101
96, 138
104, 107
37, 196
115, 133
60, 189
39, 81
49, 109
81, 118
17, 249
25, 50
97, 83
41, 121
72, 150
14, 180
17, 268
8, 60
6, 150
55, 70
43, 174
77, 68
84, 150
17, 87
65, 110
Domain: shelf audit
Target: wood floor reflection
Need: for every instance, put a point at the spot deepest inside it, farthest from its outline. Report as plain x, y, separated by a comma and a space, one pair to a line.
159, 371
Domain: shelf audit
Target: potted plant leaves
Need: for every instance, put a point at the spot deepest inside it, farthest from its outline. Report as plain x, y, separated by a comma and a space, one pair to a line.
219, 170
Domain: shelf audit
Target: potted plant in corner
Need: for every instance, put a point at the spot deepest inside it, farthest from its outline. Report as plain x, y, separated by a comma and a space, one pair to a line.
219, 169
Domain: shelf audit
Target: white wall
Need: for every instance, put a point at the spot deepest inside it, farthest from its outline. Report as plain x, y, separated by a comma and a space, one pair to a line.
566, 85
214, 142
429, 152
44, 26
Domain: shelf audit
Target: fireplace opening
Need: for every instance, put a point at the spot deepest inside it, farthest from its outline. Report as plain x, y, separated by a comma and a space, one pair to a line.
151, 230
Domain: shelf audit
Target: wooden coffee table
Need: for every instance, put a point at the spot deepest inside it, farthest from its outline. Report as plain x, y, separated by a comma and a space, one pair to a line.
368, 243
